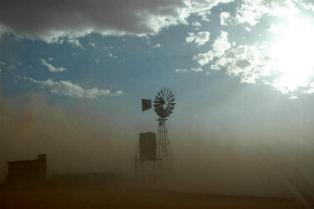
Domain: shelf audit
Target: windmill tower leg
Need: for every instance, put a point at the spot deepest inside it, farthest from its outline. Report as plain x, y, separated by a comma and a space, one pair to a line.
164, 151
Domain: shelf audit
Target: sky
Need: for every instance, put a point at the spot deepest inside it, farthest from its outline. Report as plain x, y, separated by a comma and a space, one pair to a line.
72, 76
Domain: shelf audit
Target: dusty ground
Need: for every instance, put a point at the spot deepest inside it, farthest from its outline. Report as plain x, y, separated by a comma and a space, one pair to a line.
137, 199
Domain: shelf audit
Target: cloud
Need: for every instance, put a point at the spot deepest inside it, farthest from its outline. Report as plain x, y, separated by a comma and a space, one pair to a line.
196, 24
112, 56
220, 46
308, 5
52, 19
204, 58
91, 44
52, 68
244, 61
156, 46
68, 88
181, 70
197, 69
75, 42
250, 12
189, 70
3, 30
252, 63
226, 19
199, 38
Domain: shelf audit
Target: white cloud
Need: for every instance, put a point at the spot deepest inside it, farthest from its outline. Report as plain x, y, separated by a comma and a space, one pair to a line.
220, 46
68, 88
189, 70
91, 44
226, 19
51, 19
181, 70
156, 46
204, 58
197, 69
250, 12
112, 56
246, 62
3, 30
308, 5
196, 24
252, 63
75, 42
199, 38
52, 68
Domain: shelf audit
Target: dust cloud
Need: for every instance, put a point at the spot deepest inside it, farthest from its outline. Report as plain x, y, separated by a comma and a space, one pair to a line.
82, 140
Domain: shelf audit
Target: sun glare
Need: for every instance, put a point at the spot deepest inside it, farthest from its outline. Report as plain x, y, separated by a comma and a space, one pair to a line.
291, 54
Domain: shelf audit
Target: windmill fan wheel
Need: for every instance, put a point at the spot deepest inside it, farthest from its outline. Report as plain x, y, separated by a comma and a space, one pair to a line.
164, 103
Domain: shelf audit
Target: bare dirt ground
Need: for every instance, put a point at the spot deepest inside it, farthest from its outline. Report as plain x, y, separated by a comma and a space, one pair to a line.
132, 198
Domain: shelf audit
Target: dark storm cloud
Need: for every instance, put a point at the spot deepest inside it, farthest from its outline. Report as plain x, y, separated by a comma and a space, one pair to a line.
53, 18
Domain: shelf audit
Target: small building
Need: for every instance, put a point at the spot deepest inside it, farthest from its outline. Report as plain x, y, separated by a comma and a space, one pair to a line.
27, 171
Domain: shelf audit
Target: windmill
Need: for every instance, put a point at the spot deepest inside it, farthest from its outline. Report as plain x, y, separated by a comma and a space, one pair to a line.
164, 103
153, 151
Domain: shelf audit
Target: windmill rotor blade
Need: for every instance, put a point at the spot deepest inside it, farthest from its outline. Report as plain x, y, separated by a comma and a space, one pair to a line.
167, 91
157, 106
162, 92
169, 95
158, 96
171, 108
158, 102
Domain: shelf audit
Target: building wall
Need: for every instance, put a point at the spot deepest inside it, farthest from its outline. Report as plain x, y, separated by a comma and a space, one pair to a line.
27, 171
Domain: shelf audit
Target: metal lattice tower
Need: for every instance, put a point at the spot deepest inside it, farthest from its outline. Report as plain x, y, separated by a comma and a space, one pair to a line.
164, 151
